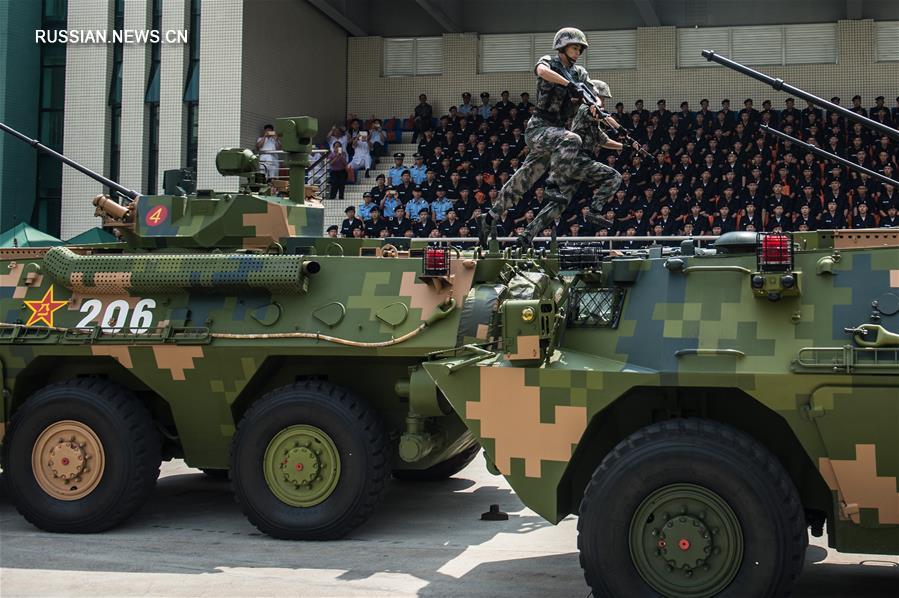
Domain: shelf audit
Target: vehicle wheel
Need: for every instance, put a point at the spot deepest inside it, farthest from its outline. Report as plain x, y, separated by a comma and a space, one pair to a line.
81, 456
309, 461
691, 508
440, 471
215, 474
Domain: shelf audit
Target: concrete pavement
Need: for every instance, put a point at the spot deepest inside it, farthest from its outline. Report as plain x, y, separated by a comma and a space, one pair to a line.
426, 540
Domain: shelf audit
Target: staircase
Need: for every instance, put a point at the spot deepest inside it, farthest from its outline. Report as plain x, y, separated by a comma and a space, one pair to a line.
353, 196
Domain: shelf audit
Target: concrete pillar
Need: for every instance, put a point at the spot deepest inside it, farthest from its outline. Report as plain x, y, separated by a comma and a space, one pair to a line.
221, 65
135, 65
88, 69
173, 70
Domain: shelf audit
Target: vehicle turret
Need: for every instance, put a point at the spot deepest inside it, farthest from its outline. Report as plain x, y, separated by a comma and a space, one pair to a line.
251, 219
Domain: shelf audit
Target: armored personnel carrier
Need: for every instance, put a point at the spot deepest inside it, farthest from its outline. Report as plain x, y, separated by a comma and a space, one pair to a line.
698, 409
227, 331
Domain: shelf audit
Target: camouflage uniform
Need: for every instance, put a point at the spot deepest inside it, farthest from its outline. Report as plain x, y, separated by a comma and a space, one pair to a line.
550, 145
582, 169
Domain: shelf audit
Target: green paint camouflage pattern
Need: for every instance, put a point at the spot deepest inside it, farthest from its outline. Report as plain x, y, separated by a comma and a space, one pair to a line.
695, 338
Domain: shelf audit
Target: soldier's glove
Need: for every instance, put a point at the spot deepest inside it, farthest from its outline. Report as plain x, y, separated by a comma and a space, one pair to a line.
575, 90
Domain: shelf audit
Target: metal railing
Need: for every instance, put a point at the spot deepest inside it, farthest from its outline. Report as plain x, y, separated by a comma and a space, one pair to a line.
316, 172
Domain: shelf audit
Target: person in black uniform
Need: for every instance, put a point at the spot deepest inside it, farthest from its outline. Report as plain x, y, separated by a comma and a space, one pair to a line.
891, 220
332, 231
399, 224
350, 222
449, 226
374, 226
422, 227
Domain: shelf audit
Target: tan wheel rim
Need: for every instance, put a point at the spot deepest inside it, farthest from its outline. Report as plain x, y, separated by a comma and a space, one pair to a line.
68, 460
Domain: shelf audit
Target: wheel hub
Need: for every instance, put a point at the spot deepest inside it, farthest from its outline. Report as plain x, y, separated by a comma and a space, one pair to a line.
68, 460
301, 465
685, 540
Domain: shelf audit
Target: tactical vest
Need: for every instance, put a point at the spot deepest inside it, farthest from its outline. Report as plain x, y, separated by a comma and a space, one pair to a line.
554, 101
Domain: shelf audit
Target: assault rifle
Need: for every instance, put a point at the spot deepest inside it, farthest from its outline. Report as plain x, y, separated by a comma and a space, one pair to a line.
588, 95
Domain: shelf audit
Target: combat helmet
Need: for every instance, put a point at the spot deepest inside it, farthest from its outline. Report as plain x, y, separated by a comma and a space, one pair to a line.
569, 35
601, 87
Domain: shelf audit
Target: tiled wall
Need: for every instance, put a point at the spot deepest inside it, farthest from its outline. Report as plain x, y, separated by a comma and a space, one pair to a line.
135, 63
172, 71
294, 64
88, 68
221, 48
655, 77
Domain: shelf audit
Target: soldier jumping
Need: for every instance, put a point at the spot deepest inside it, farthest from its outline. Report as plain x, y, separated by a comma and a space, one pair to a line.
550, 145
560, 190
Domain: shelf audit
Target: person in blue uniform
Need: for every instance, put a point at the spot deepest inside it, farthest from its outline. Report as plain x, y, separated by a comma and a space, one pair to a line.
396, 171
418, 170
417, 203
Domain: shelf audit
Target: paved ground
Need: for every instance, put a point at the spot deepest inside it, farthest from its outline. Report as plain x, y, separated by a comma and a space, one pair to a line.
427, 540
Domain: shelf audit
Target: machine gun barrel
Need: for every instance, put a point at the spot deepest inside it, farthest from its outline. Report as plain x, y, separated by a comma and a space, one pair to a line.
130, 193
832, 157
779, 85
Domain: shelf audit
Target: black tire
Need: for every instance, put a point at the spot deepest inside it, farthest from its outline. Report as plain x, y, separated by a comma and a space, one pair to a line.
215, 474
440, 471
358, 435
131, 447
725, 461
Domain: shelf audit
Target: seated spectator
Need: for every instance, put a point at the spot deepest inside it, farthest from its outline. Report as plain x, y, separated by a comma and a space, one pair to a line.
366, 206
376, 224
351, 222
440, 205
421, 118
484, 108
378, 138
891, 220
465, 108
362, 154
423, 227
399, 224
332, 231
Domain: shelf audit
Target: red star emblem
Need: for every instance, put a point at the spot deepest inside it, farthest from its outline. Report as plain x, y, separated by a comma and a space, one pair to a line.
42, 311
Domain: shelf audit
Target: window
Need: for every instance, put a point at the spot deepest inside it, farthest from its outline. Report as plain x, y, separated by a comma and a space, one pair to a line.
887, 41
407, 56
759, 45
595, 306
520, 51
48, 189
115, 100
192, 88
151, 99
612, 49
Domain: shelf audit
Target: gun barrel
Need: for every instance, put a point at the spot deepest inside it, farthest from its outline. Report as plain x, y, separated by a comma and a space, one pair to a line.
832, 157
82, 169
780, 85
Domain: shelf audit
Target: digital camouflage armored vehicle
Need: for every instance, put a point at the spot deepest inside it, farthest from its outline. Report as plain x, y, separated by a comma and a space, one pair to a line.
227, 331
699, 409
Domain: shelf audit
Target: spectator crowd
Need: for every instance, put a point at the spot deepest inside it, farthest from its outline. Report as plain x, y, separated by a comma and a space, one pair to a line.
711, 171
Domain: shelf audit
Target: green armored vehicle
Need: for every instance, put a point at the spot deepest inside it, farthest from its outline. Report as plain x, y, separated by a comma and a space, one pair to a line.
698, 409
226, 330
